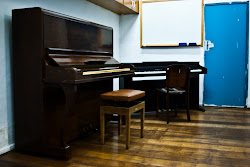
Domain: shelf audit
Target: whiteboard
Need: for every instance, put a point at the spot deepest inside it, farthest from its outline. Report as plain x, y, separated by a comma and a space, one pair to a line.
172, 23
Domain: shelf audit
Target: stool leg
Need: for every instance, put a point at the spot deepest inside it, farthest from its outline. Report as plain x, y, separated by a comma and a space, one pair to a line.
102, 126
157, 104
176, 106
128, 118
167, 108
187, 106
142, 121
119, 124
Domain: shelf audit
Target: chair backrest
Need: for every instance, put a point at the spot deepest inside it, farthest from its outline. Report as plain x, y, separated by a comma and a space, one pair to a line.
177, 76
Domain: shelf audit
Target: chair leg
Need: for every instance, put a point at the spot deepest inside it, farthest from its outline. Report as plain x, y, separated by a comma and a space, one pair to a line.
119, 124
102, 126
187, 106
142, 121
167, 108
175, 101
157, 104
128, 118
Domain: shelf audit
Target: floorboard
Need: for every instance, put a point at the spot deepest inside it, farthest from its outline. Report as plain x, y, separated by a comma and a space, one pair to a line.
217, 137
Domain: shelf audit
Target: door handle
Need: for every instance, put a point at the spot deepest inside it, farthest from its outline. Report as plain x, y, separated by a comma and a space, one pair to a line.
208, 45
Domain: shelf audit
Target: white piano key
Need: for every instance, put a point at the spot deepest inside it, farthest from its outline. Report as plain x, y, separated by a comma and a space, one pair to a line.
151, 72
149, 78
196, 70
105, 71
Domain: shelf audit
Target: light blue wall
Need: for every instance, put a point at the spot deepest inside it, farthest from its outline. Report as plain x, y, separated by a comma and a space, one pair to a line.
77, 8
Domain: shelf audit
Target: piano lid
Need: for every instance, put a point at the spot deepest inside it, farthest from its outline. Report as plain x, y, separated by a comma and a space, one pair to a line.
79, 58
61, 31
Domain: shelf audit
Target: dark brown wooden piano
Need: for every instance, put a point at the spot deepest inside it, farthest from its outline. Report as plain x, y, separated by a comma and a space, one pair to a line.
60, 65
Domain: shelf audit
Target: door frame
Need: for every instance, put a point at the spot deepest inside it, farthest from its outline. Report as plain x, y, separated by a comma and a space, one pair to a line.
247, 68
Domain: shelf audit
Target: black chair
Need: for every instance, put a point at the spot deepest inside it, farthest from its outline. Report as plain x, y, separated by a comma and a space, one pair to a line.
177, 83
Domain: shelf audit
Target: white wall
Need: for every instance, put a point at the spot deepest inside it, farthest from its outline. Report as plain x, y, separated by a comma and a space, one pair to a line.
77, 8
130, 50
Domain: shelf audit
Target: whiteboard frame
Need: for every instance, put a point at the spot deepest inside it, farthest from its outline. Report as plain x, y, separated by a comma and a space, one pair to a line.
171, 45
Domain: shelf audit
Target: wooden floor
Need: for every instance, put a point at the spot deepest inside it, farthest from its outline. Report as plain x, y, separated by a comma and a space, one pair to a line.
217, 137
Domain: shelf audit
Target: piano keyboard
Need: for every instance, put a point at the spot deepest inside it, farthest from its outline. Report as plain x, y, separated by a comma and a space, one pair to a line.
149, 78
163, 72
105, 71
151, 72
196, 70
155, 77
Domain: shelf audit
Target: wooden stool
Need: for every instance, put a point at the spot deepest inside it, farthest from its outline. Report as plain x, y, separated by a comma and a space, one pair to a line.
120, 97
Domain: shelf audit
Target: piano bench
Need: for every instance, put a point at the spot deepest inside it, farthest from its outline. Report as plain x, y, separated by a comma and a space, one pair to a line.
122, 102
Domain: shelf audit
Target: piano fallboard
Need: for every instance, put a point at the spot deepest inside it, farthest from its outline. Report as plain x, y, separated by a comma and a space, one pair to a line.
82, 66
76, 76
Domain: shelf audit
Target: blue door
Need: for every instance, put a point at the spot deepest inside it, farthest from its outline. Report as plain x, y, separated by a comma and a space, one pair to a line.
226, 26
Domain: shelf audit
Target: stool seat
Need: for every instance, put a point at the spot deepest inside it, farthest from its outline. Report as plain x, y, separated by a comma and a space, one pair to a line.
122, 96
127, 95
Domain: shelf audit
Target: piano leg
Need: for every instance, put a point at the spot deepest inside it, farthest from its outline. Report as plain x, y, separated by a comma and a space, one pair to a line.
70, 92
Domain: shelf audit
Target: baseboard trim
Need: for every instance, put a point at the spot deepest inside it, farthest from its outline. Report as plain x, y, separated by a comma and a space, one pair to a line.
7, 149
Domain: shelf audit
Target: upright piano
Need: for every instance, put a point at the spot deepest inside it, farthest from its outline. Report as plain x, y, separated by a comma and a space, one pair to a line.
61, 65
151, 75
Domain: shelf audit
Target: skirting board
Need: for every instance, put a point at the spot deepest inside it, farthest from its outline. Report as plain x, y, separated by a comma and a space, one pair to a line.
7, 148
